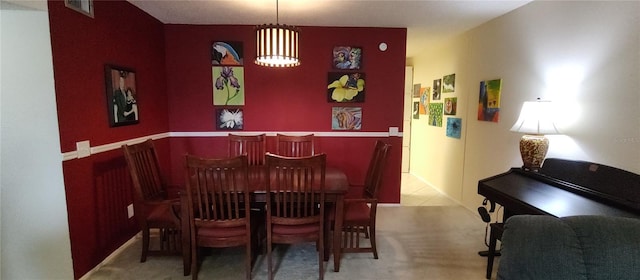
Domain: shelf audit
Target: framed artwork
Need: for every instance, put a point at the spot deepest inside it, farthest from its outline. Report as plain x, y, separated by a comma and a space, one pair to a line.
345, 87
424, 100
346, 118
229, 118
454, 127
449, 83
83, 6
416, 90
416, 110
122, 95
489, 100
347, 58
435, 114
436, 89
450, 105
228, 85
227, 54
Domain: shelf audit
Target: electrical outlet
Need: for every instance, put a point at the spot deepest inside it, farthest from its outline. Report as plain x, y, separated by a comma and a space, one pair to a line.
130, 211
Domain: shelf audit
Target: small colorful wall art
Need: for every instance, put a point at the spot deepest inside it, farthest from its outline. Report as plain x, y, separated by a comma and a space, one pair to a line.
345, 87
435, 114
226, 53
489, 101
449, 83
346, 118
416, 110
454, 127
228, 85
436, 89
347, 58
424, 100
229, 119
416, 90
450, 105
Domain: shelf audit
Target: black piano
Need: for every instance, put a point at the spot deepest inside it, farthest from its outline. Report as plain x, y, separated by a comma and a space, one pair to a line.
565, 188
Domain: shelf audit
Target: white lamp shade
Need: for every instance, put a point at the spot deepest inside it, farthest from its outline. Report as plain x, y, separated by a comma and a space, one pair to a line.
536, 117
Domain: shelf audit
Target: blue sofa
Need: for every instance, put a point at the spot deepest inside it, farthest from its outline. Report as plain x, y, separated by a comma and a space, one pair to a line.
578, 247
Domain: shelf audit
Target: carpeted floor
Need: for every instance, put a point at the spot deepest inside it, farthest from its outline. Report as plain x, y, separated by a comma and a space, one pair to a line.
434, 242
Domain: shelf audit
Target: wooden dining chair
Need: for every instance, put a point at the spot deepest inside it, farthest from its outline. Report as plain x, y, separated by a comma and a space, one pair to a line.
295, 145
254, 147
152, 207
216, 207
360, 211
296, 203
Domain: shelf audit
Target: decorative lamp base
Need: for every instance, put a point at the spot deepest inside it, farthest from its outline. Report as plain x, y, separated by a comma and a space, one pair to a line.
533, 149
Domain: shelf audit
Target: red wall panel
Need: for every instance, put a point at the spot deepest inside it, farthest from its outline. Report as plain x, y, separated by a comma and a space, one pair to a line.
284, 99
118, 34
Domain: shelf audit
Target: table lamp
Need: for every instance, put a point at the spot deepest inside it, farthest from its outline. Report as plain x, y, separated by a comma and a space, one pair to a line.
535, 120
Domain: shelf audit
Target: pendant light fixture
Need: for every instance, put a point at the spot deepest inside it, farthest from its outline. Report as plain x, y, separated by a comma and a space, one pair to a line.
277, 44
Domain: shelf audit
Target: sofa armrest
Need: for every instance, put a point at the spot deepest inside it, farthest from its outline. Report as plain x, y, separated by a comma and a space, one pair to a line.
579, 247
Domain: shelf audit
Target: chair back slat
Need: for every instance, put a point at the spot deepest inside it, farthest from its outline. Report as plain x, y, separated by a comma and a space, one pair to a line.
375, 170
295, 146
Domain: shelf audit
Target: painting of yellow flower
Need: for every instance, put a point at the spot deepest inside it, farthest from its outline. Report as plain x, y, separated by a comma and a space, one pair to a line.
345, 87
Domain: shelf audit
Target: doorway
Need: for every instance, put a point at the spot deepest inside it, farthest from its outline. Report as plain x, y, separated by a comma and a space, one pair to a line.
413, 191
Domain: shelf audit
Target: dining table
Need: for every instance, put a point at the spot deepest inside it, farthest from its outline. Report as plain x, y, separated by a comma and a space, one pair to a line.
336, 186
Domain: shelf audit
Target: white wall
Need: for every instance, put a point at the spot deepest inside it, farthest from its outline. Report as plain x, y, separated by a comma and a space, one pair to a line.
585, 56
34, 228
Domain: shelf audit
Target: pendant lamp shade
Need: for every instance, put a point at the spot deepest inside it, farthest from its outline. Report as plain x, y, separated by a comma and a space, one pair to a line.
277, 45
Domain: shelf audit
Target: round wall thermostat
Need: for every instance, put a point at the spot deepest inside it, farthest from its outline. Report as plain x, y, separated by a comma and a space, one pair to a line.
382, 46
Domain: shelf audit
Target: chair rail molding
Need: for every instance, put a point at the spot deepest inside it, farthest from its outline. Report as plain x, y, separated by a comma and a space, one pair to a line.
116, 145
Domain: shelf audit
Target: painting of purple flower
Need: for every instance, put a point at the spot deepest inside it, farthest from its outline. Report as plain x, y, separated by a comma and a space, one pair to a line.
228, 85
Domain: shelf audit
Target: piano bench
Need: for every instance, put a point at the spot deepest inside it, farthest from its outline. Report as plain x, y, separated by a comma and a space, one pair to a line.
495, 234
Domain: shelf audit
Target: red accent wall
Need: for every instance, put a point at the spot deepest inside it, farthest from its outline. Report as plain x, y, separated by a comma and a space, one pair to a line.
174, 82
119, 34
284, 99
288, 99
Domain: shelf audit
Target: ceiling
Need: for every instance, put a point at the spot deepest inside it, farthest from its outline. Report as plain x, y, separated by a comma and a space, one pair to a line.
427, 22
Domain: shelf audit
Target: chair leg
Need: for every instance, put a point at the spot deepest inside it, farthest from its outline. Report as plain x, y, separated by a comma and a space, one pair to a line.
186, 253
372, 239
186, 263
194, 261
145, 244
248, 260
269, 265
321, 257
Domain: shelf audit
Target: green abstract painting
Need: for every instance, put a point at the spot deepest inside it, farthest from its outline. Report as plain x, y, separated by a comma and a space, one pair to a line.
435, 114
